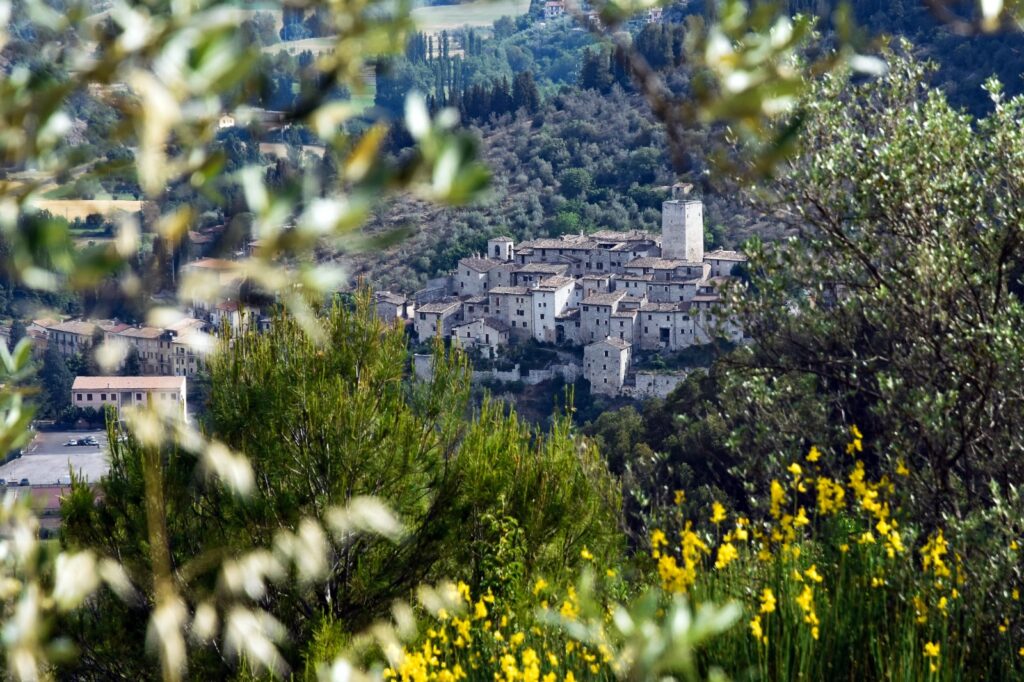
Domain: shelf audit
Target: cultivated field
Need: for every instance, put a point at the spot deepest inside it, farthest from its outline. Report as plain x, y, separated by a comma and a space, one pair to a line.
83, 208
478, 13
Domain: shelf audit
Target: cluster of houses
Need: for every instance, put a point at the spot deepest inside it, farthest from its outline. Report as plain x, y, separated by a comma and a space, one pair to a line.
610, 292
555, 9
175, 349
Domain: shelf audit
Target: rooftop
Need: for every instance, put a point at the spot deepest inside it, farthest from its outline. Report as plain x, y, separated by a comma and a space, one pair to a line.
129, 383
513, 291
73, 327
388, 297
478, 264
608, 298
553, 268
143, 332
439, 306
503, 240
612, 341
656, 263
554, 283
722, 254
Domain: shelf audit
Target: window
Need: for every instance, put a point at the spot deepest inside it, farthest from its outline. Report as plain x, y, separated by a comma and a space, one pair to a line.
88, 396
606, 353
103, 396
423, 316
78, 397
542, 316
138, 396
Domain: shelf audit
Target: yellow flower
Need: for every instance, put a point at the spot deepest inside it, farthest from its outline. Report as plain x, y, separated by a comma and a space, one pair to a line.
755, 628
586, 555
778, 495
801, 518
901, 468
814, 455
931, 650
680, 497
541, 584
569, 677
463, 589
767, 601
1014, 546
813, 574
610, 573
717, 513
726, 554
1020, 651
855, 432
1015, 594
794, 469
480, 610
552, 660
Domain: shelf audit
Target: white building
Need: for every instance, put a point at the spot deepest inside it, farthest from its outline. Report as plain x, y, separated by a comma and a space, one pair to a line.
551, 297
471, 276
166, 394
391, 306
605, 364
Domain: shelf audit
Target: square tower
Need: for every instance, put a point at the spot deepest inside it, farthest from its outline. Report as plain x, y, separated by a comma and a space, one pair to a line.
682, 227
500, 248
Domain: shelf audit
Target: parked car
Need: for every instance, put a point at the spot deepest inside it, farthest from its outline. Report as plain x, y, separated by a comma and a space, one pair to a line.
24, 481
91, 440
70, 442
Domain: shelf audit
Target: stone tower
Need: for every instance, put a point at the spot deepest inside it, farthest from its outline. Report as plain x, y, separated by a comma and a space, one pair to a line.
500, 248
682, 226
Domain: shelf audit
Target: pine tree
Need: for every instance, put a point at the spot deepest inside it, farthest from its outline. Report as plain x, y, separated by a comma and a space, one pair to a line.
524, 93
56, 382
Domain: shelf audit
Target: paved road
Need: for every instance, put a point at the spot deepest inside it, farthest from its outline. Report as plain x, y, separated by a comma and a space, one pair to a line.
47, 460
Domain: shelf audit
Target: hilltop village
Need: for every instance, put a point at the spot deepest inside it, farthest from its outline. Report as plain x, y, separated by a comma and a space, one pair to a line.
610, 292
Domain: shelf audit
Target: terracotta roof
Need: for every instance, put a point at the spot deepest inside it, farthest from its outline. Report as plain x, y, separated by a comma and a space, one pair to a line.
129, 383
73, 327
143, 332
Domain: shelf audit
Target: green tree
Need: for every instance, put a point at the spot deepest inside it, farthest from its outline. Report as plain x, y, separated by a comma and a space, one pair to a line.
328, 422
575, 183
56, 380
132, 366
898, 308
18, 332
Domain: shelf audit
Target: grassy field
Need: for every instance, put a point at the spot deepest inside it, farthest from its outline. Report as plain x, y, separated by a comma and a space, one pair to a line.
83, 208
477, 13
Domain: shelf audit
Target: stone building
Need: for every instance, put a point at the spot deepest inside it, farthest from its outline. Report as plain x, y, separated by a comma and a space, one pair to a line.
605, 364
441, 316
391, 306
550, 298
486, 333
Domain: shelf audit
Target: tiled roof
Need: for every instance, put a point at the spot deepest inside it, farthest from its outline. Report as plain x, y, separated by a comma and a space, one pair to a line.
476, 299
128, 383
478, 264
722, 254
143, 332
656, 263
554, 283
664, 307
438, 307
388, 297
630, 236
503, 240
609, 298
510, 291
496, 324
73, 327
553, 268
612, 341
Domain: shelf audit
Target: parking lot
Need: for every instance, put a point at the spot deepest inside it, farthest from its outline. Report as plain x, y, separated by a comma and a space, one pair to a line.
47, 460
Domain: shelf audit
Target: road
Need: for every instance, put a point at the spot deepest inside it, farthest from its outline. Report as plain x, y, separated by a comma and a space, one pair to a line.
46, 460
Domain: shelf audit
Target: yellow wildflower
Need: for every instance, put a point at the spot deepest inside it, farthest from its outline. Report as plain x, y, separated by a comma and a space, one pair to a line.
586, 555
480, 610
541, 584
801, 518
931, 650
814, 455
901, 468
726, 554
610, 572
757, 631
813, 574
717, 513
680, 497
767, 601
778, 498
795, 469
1015, 594
569, 677
463, 589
